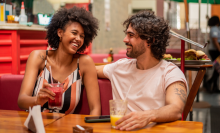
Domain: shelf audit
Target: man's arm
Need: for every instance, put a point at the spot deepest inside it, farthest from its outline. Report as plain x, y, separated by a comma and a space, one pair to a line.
99, 70
175, 101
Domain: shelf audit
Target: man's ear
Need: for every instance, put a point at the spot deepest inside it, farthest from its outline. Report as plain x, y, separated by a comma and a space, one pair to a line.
59, 32
146, 43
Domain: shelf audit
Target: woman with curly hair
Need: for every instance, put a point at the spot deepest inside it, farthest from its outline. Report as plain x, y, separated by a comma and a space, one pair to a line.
155, 90
69, 33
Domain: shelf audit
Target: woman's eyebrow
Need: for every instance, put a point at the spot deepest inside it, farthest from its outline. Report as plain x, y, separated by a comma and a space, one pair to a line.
77, 31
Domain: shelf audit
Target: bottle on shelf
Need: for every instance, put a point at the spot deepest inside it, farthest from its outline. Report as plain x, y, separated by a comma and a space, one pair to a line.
2, 11
110, 56
23, 16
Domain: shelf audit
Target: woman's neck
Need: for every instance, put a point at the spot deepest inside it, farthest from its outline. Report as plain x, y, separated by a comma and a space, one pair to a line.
62, 58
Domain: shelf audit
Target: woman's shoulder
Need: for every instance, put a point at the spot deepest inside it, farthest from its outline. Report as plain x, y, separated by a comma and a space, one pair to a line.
37, 58
214, 28
85, 59
38, 54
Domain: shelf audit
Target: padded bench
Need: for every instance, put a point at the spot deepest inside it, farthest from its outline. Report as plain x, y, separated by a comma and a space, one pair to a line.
10, 88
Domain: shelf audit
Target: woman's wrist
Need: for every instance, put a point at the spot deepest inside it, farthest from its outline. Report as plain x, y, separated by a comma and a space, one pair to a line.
35, 101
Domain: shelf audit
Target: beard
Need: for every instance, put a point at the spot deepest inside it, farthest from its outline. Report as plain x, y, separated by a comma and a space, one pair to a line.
135, 52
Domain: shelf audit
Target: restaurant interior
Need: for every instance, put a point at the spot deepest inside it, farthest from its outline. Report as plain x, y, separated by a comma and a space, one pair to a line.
188, 20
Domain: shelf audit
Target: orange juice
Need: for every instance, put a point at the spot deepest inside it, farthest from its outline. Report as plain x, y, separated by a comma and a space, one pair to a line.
115, 118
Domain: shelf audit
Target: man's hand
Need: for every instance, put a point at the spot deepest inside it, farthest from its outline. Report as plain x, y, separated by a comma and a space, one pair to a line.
134, 120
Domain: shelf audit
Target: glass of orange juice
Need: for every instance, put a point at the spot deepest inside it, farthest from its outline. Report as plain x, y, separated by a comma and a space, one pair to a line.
118, 109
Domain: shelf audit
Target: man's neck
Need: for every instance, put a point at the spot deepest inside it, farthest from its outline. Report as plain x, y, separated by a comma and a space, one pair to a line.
146, 61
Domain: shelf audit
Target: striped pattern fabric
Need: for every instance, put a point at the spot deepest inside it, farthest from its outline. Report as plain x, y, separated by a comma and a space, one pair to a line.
72, 90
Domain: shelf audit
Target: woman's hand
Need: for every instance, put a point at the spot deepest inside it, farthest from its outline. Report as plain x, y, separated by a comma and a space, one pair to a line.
44, 94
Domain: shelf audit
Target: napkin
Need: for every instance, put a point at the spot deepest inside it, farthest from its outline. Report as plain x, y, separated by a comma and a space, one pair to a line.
34, 121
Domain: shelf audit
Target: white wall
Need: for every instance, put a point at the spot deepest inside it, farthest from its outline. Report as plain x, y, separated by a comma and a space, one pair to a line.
194, 15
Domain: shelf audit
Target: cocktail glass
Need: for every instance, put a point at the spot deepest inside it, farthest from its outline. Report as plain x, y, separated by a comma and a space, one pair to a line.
57, 102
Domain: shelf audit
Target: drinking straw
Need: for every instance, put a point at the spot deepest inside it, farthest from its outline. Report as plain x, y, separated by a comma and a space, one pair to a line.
127, 92
51, 75
120, 112
81, 128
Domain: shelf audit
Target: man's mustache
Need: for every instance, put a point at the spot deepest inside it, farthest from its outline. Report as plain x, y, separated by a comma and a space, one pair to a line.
128, 44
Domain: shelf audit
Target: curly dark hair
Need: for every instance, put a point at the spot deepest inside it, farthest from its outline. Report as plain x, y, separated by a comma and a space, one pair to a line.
75, 14
214, 20
151, 28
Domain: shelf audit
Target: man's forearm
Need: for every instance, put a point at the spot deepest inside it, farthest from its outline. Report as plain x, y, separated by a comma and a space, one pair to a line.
165, 114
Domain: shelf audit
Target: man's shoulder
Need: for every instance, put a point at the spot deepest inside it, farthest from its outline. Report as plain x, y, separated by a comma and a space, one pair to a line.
168, 66
125, 61
121, 64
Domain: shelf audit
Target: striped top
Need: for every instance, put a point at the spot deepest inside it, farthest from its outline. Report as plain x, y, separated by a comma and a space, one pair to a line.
72, 89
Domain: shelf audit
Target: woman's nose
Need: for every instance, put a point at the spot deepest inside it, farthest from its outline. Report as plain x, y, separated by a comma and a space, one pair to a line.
77, 37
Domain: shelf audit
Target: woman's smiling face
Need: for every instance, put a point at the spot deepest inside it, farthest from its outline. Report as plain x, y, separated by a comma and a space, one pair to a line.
72, 38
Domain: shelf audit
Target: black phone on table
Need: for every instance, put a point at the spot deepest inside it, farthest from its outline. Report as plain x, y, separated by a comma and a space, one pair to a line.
101, 118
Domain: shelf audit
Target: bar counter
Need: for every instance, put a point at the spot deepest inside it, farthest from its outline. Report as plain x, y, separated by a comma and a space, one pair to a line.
16, 26
16, 43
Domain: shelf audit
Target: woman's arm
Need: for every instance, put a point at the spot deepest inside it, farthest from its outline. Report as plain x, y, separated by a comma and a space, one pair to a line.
35, 63
89, 75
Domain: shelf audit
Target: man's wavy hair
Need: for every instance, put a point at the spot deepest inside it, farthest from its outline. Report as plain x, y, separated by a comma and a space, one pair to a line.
151, 28
75, 14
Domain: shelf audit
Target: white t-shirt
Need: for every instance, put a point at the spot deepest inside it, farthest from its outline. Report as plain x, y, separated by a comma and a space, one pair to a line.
148, 86
214, 33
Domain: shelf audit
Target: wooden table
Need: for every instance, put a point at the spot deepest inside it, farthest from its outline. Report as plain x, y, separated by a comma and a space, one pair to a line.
13, 122
66, 123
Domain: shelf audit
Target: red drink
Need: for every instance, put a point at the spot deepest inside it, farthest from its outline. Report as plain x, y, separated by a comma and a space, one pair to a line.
57, 102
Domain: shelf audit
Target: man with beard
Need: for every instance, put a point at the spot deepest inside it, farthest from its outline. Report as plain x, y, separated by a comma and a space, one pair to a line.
158, 89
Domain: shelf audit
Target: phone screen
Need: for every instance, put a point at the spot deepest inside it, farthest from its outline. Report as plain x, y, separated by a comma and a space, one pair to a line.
98, 117
102, 118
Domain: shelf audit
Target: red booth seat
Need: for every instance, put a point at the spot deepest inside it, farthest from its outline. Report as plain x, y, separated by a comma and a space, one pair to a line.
105, 95
10, 88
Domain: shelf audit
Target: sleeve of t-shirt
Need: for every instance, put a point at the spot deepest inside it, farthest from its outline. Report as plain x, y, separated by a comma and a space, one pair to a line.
174, 74
214, 32
109, 69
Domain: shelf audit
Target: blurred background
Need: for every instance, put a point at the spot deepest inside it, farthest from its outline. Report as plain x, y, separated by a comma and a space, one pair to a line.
111, 14
18, 39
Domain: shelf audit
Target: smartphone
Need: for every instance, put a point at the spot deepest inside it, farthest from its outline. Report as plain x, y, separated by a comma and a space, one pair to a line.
101, 118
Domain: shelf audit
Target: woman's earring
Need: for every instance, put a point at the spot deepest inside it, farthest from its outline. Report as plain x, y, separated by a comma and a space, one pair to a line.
60, 39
